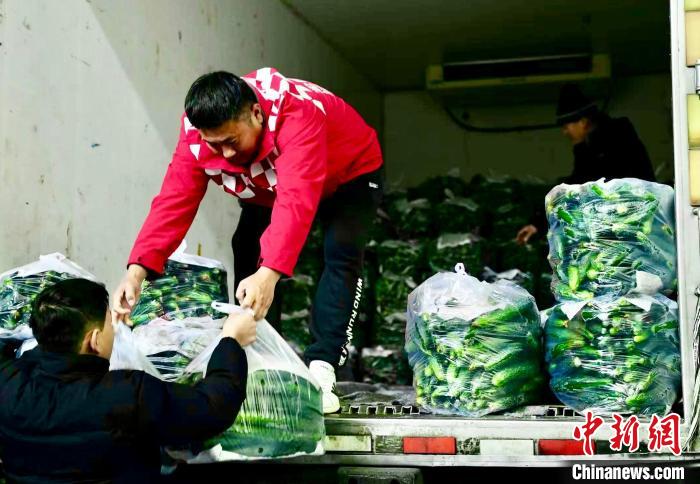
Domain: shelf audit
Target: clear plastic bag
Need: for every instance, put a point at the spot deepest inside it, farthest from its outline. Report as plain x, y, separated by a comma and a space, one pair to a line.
282, 415
126, 354
172, 345
20, 286
608, 238
615, 355
186, 289
475, 348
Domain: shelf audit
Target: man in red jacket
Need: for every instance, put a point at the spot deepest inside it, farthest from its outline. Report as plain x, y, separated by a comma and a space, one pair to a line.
287, 149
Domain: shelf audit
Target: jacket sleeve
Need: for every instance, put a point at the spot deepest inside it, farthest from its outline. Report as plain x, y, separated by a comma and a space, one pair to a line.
301, 173
175, 413
172, 210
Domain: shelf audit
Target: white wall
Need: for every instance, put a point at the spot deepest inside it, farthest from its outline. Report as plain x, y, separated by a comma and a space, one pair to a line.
90, 97
420, 140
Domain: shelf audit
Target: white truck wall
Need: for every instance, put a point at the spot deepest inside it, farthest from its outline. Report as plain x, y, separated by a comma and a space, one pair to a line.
91, 92
420, 140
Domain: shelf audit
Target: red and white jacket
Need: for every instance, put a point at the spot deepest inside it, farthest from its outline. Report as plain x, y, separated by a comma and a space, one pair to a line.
313, 141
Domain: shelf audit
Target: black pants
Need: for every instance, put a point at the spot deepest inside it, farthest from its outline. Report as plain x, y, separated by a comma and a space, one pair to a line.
345, 218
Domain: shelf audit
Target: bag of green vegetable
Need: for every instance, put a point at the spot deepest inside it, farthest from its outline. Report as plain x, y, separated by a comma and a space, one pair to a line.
449, 249
608, 238
387, 365
615, 355
19, 287
403, 258
186, 289
282, 414
458, 215
475, 348
391, 294
412, 219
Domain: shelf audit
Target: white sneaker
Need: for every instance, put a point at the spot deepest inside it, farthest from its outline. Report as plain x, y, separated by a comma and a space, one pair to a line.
324, 374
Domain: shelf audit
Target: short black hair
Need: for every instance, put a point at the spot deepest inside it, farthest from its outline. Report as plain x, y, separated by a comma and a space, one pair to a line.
64, 312
217, 97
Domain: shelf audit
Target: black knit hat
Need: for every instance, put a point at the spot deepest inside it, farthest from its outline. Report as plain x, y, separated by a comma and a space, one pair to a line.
573, 105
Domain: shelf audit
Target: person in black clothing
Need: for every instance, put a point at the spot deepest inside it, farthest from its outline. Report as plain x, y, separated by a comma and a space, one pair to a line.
604, 147
64, 417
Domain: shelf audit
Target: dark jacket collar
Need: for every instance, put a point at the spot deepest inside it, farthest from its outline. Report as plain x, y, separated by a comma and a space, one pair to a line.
65, 363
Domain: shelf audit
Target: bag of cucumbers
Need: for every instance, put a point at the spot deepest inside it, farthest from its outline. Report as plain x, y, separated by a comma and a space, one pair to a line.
610, 238
475, 348
187, 288
19, 287
282, 415
615, 355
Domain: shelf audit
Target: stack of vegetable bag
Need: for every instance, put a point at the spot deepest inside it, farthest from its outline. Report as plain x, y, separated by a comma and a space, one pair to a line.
411, 218
615, 355
528, 259
458, 215
186, 289
437, 188
390, 323
501, 199
401, 258
385, 365
282, 415
297, 294
20, 286
611, 237
475, 348
385, 358
310, 261
449, 249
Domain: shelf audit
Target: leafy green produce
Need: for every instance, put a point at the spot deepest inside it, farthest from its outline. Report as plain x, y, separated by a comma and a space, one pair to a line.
474, 347
607, 238
615, 355
449, 249
437, 188
458, 215
411, 218
390, 322
310, 261
385, 365
402, 258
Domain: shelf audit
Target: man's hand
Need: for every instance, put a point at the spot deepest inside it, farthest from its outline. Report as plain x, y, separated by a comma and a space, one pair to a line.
242, 327
525, 234
257, 291
127, 293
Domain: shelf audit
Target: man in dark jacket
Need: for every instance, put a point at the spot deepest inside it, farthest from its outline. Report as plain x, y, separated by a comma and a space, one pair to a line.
64, 417
604, 147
